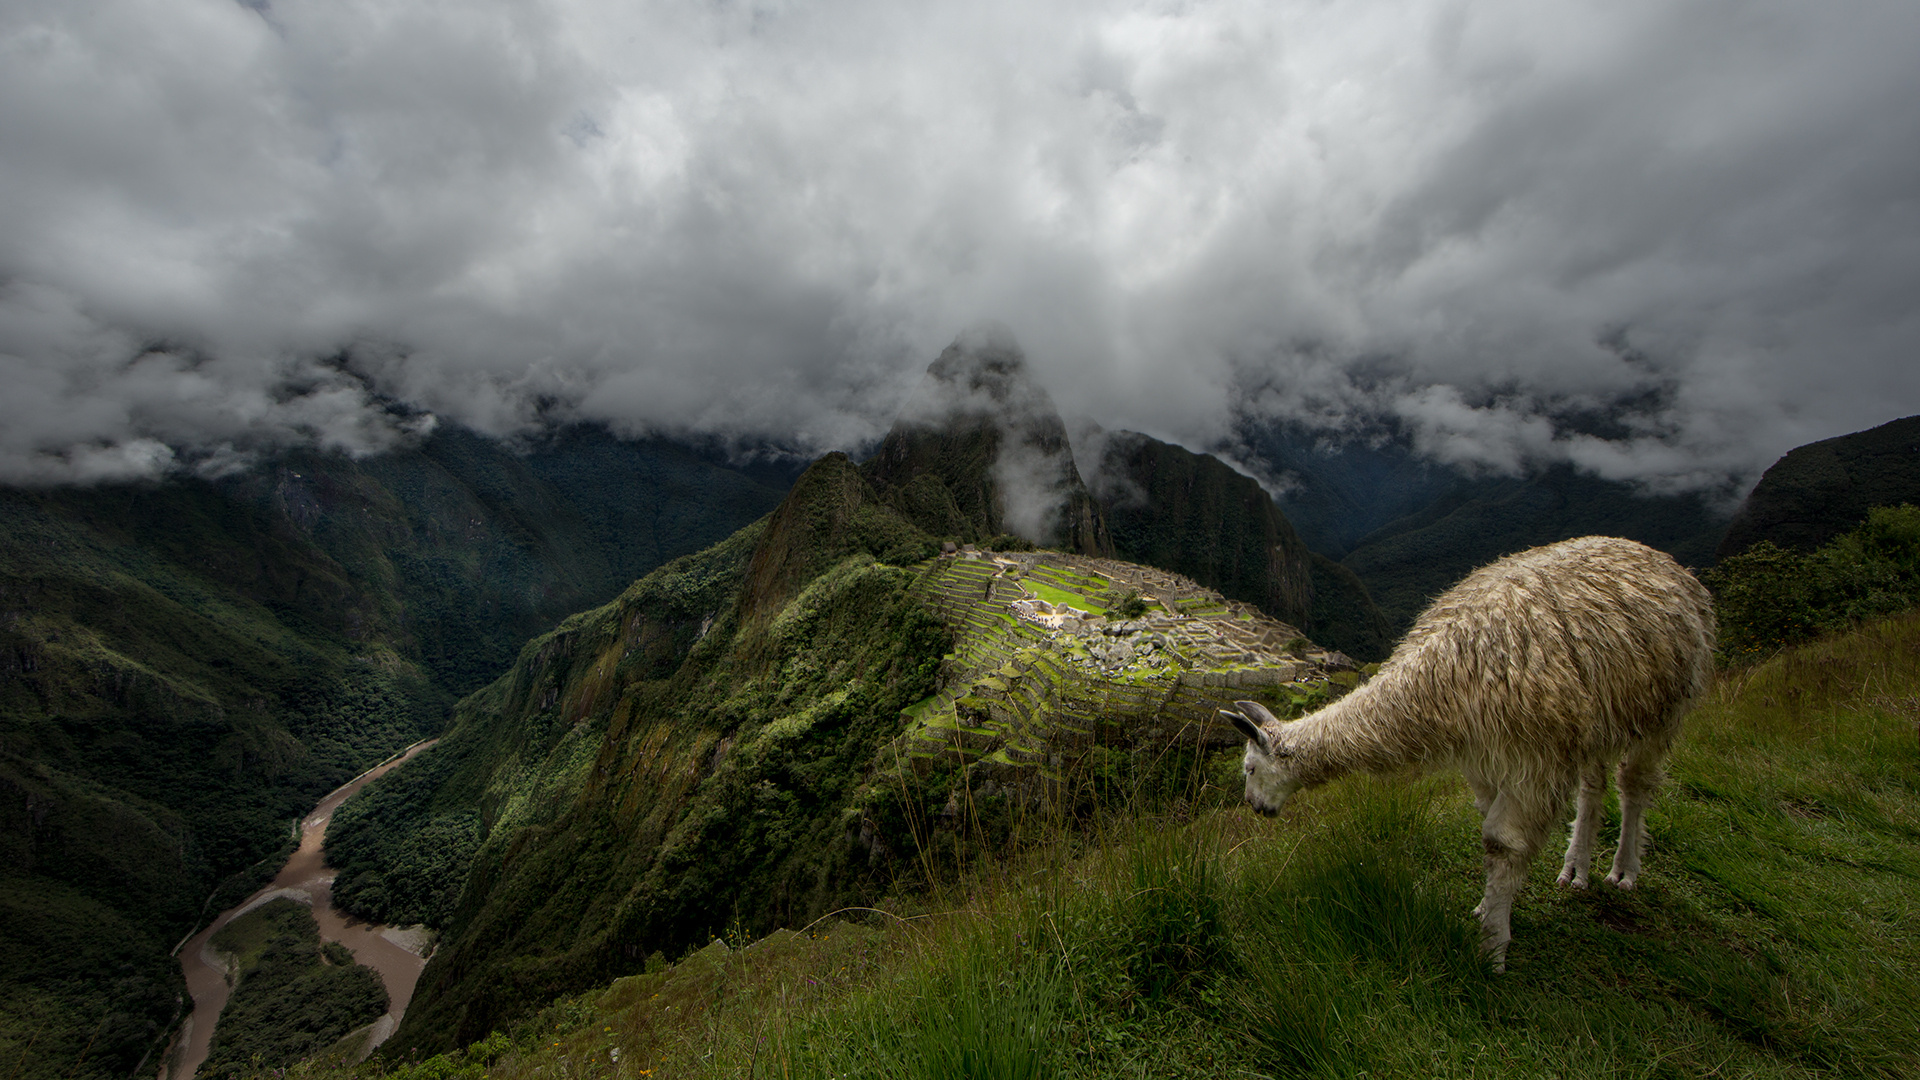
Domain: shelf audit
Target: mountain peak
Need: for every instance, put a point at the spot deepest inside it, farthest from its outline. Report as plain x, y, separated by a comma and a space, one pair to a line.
980, 451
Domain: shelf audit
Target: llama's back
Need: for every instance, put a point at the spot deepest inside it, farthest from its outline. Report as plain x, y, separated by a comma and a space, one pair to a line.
1561, 652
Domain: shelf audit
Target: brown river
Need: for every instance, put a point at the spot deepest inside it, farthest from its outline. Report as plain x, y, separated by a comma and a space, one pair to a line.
393, 952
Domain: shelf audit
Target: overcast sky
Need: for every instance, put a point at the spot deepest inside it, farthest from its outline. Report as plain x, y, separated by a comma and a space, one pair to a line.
228, 226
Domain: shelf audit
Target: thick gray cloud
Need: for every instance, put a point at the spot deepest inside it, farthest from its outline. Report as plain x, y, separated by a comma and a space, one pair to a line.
232, 226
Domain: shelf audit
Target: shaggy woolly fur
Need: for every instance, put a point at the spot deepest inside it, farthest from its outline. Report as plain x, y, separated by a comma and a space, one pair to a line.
1531, 676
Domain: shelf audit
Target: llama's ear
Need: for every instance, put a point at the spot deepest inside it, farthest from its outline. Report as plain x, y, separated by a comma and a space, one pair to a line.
1248, 728
1256, 712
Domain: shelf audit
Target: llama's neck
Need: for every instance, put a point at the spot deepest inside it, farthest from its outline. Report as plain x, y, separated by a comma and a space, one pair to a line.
1368, 730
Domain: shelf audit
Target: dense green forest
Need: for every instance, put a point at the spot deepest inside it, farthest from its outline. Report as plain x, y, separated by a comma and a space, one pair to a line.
167, 715
292, 995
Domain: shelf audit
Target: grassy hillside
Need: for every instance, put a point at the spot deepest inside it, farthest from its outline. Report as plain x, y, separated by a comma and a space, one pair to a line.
1775, 933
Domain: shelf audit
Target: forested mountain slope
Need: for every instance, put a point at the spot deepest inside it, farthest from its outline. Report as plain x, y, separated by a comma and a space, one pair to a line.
186, 666
1408, 562
1820, 490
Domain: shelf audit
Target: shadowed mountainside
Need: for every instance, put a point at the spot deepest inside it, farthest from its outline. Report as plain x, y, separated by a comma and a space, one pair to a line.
1407, 563
1823, 489
1409, 528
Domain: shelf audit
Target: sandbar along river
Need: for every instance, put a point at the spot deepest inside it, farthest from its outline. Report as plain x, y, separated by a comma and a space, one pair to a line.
393, 952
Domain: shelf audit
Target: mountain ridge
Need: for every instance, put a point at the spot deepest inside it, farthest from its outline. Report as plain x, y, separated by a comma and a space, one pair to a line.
1818, 491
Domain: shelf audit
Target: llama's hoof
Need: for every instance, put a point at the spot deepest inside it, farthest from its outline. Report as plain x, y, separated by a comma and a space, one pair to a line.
1573, 880
1623, 882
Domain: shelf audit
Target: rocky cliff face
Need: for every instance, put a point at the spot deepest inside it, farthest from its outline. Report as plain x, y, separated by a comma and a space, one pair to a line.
1823, 489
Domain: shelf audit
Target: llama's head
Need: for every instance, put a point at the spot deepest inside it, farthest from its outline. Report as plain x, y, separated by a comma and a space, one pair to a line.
1269, 768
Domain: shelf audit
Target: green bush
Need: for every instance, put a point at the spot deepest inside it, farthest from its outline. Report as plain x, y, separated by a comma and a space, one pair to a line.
1768, 597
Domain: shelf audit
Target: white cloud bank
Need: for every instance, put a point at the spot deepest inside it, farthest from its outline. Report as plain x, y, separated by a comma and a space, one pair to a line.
232, 226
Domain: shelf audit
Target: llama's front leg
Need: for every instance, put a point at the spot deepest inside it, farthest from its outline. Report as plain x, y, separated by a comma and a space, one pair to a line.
1637, 780
1511, 834
1586, 822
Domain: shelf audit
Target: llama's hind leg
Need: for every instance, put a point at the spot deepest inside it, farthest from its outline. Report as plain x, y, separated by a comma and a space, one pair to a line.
1484, 790
1513, 832
1586, 822
1638, 778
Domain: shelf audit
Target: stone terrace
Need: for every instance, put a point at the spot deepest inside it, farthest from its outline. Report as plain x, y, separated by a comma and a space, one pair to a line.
1043, 667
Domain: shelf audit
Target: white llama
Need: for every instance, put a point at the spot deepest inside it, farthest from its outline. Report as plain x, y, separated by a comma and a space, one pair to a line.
1530, 676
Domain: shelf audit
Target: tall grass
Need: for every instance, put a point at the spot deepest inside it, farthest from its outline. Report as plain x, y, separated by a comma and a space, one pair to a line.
1351, 937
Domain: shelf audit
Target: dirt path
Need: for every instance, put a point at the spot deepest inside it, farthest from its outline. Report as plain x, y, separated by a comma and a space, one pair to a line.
307, 879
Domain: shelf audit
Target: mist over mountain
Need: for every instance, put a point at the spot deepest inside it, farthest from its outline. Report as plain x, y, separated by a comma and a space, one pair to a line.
236, 228
980, 451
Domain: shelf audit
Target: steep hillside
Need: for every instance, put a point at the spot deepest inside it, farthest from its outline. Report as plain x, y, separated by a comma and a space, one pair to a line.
982, 452
784, 725
1190, 513
483, 547
1820, 490
185, 667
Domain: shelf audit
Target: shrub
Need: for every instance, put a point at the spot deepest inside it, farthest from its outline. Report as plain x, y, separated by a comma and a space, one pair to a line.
1767, 597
